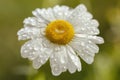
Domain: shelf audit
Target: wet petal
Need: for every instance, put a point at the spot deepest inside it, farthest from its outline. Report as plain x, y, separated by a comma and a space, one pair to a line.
58, 60
28, 33
61, 12
45, 14
34, 22
79, 14
73, 60
31, 49
85, 49
94, 39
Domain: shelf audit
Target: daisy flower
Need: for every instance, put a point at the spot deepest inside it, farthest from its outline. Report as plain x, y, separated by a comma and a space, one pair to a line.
61, 35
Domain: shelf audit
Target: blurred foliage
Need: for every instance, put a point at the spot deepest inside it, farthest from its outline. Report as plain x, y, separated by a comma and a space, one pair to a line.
106, 65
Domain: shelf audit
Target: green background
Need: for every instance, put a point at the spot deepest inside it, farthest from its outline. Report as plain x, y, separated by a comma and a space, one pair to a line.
106, 65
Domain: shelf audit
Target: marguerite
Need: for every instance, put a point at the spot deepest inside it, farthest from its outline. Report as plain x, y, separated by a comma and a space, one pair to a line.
61, 35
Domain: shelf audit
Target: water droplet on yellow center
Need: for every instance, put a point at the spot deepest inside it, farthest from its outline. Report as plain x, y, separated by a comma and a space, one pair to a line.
59, 32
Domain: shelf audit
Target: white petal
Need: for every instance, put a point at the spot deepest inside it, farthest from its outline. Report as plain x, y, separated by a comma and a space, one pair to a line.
45, 51
34, 50
86, 45
34, 22
28, 33
79, 14
37, 63
46, 14
87, 30
61, 12
58, 60
94, 39
88, 27
82, 22
73, 60
87, 58
81, 8
91, 23
85, 49
31, 49
84, 55
43, 56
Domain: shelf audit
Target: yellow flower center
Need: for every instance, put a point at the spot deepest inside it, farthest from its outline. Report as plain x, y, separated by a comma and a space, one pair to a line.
59, 32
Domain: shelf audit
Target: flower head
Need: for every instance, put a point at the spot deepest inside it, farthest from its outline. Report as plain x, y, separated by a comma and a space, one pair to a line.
60, 35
